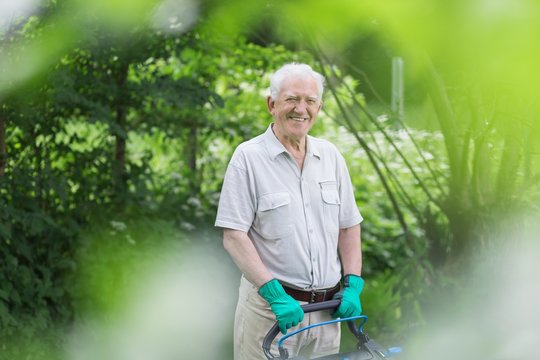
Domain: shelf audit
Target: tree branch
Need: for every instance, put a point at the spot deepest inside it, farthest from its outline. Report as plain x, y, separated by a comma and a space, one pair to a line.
369, 153
3, 152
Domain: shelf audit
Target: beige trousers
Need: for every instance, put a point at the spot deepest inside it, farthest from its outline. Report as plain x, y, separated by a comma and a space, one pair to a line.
254, 318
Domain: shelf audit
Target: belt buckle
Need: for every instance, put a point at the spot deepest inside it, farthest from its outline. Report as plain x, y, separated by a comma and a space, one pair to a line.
314, 293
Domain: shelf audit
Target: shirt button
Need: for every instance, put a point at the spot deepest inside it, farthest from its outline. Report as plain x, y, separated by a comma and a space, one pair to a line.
307, 204
311, 231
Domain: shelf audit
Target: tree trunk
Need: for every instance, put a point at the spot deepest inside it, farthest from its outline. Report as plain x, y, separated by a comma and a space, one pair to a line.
191, 155
119, 166
38, 164
119, 163
3, 153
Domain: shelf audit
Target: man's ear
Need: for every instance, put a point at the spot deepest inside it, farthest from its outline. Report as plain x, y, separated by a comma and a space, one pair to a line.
270, 103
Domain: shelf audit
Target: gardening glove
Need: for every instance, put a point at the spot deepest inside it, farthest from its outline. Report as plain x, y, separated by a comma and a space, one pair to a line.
350, 297
287, 310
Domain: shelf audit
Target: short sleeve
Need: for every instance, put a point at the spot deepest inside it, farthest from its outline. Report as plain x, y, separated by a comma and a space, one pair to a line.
349, 215
236, 209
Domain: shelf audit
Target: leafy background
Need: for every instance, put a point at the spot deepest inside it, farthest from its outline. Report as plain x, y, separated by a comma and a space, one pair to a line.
117, 120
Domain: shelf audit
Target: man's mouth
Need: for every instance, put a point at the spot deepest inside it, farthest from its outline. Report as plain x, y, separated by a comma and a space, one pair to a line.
298, 118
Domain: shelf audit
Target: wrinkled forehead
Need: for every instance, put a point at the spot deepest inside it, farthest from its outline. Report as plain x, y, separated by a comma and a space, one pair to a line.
299, 86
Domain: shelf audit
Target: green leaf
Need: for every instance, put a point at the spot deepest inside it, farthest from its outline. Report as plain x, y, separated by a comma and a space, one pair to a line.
4, 295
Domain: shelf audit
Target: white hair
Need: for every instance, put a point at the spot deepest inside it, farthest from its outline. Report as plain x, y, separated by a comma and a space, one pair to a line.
294, 69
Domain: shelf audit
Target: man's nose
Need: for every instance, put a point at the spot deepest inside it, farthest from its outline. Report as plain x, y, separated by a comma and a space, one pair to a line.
301, 106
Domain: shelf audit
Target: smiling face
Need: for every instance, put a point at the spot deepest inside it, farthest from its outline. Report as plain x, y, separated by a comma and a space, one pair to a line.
295, 108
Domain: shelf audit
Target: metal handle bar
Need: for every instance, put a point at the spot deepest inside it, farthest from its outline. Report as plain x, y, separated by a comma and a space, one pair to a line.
274, 330
324, 305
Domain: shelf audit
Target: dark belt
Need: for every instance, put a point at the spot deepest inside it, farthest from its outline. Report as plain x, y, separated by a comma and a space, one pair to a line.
312, 296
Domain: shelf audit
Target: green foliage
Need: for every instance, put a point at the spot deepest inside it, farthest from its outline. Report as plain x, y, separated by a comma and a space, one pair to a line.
395, 303
384, 242
100, 126
383, 304
116, 132
38, 225
112, 256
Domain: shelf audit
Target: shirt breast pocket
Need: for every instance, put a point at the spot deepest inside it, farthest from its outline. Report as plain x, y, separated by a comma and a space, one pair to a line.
274, 215
331, 205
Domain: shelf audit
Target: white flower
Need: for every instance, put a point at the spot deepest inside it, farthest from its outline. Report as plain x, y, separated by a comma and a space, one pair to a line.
118, 225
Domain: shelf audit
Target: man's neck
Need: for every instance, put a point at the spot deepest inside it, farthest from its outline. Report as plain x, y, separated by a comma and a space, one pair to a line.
293, 145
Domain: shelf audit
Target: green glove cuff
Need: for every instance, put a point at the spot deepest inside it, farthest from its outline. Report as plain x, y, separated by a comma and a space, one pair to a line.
354, 281
271, 290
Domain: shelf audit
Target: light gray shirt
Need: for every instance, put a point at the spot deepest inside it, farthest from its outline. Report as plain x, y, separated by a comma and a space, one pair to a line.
292, 217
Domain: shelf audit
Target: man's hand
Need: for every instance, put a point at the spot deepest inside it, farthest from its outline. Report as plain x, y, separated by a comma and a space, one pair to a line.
350, 297
287, 310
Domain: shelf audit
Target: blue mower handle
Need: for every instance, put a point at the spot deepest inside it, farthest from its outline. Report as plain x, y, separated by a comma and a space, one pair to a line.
308, 308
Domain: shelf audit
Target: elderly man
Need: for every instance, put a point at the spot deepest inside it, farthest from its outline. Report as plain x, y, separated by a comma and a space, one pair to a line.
291, 224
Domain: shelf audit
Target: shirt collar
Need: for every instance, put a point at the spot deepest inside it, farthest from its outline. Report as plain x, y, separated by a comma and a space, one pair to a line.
275, 147
312, 149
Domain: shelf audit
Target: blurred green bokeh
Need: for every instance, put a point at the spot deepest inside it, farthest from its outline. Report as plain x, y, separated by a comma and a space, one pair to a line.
471, 108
